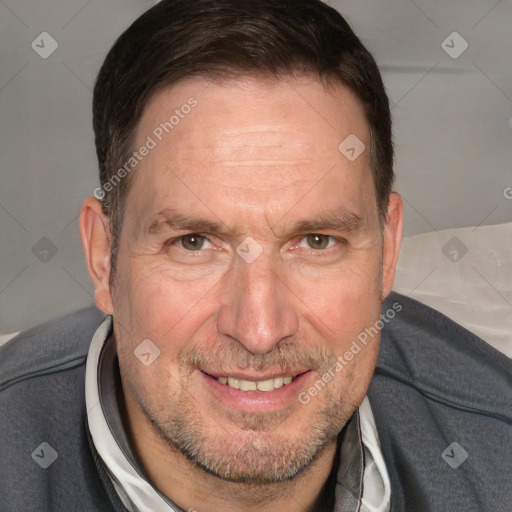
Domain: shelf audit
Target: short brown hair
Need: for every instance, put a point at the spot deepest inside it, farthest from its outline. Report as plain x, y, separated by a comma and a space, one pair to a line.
179, 39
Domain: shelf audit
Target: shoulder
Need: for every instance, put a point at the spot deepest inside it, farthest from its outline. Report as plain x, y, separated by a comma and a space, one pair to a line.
42, 419
425, 349
442, 404
49, 347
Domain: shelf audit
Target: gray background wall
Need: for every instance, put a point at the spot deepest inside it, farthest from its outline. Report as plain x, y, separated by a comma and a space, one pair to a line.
452, 112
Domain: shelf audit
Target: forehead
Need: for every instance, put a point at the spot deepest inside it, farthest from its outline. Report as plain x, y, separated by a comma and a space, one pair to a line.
253, 143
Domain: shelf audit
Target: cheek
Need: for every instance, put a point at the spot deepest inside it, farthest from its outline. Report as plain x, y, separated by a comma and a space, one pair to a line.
341, 313
151, 305
344, 301
154, 301
149, 313
149, 388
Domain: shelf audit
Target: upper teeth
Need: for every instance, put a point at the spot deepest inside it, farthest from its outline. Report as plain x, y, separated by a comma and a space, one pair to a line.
260, 385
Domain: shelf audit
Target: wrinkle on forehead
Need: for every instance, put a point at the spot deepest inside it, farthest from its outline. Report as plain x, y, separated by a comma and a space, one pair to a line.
259, 149
256, 152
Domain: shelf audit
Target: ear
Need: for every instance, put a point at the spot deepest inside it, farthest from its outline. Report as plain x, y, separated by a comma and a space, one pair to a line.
95, 235
391, 242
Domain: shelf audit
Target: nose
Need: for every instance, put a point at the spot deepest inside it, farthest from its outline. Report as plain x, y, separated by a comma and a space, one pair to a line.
257, 309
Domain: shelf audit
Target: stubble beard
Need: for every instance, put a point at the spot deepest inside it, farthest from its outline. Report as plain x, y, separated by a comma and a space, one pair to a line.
258, 454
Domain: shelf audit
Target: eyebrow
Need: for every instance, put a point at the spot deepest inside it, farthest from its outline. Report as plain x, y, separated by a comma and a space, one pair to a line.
339, 220
171, 219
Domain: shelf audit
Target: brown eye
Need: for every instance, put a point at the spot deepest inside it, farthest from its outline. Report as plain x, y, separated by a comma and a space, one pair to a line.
192, 242
316, 241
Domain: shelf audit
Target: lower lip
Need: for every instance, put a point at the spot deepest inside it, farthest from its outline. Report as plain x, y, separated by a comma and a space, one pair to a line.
256, 401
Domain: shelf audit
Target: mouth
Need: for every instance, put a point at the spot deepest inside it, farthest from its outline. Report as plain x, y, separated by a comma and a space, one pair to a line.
264, 385
253, 393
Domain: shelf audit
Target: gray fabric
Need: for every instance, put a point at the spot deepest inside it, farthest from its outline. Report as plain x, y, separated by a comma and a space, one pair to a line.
435, 384
42, 375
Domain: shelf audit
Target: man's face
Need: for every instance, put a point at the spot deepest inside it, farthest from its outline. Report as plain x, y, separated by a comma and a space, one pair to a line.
250, 250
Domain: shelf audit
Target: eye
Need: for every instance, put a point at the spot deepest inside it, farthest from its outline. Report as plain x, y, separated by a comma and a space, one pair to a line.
193, 242
318, 241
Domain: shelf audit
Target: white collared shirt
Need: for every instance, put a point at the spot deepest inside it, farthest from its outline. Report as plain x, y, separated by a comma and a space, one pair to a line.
137, 493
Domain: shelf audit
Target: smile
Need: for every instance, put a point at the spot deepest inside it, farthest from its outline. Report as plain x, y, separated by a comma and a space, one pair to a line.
252, 393
260, 385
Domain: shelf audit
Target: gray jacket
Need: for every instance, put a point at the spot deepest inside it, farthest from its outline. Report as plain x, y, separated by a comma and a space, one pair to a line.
441, 398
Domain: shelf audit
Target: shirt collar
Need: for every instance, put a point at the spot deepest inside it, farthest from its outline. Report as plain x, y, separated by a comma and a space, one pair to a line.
362, 483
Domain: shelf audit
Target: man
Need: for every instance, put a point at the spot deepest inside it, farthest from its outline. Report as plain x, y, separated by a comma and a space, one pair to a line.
242, 243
